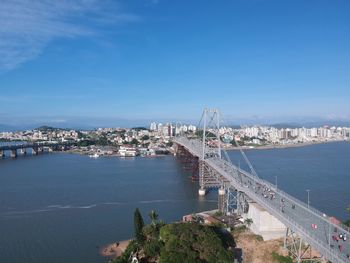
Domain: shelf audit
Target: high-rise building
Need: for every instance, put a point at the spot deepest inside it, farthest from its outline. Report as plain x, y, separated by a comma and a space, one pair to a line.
153, 126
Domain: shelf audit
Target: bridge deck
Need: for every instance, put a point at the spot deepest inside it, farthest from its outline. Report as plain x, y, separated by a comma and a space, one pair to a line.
312, 225
7, 147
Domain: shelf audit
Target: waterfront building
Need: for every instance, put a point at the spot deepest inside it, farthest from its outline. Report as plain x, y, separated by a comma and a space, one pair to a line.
128, 151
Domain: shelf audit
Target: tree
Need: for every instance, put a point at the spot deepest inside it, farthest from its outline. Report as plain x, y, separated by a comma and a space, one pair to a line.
145, 138
154, 217
134, 142
191, 242
138, 225
248, 222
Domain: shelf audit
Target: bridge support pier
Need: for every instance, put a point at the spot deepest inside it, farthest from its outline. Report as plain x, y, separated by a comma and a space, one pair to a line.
34, 151
23, 151
242, 203
227, 201
2, 154
300, 251
188, 161
222, 200
13, 154
208, 178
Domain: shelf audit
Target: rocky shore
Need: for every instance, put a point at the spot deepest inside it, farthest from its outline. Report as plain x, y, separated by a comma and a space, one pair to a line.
115, 249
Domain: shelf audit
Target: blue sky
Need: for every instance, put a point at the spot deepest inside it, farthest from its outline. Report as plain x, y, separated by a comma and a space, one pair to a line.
119, 62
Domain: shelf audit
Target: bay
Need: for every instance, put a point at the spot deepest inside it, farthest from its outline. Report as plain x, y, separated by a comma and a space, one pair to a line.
63, 207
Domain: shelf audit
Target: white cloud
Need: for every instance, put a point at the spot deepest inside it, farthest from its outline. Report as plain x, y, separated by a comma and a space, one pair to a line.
27, 26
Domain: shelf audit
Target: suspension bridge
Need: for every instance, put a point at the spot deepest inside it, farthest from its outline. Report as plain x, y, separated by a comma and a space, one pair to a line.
306, 227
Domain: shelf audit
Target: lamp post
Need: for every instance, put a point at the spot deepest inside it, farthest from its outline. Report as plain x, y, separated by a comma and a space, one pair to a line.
308, 198
276, 182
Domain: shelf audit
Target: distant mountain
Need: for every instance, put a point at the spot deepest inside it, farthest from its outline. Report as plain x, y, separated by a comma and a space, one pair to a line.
312, 124
48, 128
286, 125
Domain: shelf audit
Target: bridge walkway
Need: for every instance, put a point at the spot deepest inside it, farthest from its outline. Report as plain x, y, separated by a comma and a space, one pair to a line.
313, 226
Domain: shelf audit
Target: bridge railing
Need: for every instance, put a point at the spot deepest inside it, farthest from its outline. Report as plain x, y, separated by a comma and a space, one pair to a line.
321, 244
319, 239
197, 144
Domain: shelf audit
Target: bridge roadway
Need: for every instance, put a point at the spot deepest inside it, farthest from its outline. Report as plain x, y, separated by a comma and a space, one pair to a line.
5, 146
311, 225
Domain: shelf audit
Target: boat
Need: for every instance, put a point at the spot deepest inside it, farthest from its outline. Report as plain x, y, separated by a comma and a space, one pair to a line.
94, 155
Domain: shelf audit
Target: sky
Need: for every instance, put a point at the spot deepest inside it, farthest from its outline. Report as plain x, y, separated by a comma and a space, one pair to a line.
115, 62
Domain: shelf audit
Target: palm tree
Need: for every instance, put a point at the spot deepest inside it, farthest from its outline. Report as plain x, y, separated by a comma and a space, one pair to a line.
154, 217
248, 222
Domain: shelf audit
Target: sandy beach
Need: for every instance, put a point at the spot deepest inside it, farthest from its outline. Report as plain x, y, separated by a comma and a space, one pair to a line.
114, 250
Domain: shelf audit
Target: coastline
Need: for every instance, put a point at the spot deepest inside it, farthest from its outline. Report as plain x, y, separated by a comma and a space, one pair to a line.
114, 250
281, 146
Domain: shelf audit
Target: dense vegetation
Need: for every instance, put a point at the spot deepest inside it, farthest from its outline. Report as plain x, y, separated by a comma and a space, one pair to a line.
191, 242
177, 242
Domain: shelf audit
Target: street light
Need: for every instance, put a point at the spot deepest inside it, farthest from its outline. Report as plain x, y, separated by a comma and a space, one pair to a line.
308, 198
276, 182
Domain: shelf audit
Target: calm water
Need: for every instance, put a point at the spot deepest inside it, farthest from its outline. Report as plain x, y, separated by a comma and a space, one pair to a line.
59, 207
322, 168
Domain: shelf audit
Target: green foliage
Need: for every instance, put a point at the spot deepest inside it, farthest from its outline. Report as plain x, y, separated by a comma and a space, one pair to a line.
239, 229
138, 225
139, 129
124, 258
347, 223
152, 248
81, 135
85, 143
178, 242
208, 134
281, 259
145, 138
46, 128
134, 142
145, 144
169, 144
259, 238
190, 242
218, 213
102, 141
150, 232
153, 216
248, 222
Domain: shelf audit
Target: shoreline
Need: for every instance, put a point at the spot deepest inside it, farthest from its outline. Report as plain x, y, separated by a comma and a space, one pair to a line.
282, 146
114, 250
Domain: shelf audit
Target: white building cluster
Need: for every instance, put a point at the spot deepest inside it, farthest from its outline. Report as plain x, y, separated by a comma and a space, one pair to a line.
40, 135
170, 129
272, 135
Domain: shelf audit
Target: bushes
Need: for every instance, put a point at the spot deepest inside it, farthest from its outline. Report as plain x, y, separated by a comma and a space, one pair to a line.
189, 242
178, 242
133, 246
281, 259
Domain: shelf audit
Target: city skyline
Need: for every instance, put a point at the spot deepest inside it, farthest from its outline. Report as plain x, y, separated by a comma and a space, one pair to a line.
108, 63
